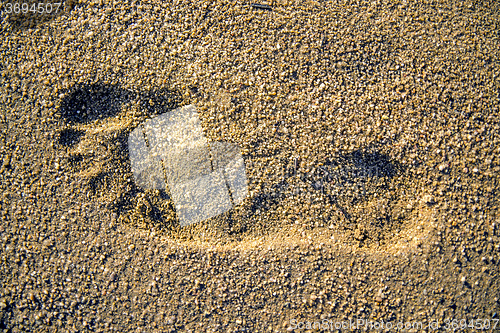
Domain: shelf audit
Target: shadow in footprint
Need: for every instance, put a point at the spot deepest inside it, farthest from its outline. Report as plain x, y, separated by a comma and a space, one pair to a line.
86, 103
362, 186
69, 137
156, 102
371, 163
359, 167
347, 175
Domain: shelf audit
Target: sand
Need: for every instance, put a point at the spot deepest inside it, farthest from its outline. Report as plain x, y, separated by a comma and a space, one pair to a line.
369, 132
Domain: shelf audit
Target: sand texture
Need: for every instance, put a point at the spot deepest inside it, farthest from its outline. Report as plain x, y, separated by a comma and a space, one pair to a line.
370, 136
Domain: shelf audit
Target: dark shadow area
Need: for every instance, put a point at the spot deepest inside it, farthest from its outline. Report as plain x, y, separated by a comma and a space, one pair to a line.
74, 160
345, 175
97, 182
260, 6
89, 102
367, 163
86, 103
6, 315
125, 201
155, 102
69, 137
358, 185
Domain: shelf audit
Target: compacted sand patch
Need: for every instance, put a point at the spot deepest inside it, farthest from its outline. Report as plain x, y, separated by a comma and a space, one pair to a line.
361, 198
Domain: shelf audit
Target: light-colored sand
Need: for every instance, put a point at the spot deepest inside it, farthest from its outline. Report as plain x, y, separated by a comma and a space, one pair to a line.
392, 106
